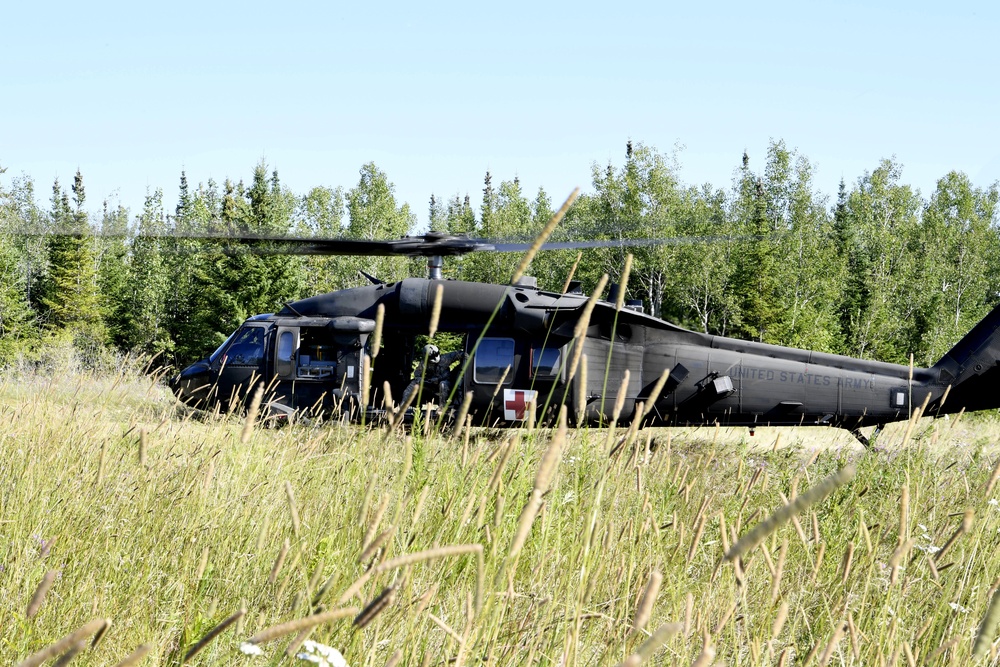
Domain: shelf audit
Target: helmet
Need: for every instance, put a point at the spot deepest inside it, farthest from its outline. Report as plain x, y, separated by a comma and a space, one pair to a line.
432, 353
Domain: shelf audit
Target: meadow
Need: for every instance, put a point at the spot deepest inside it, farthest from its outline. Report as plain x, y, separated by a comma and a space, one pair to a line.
134, 532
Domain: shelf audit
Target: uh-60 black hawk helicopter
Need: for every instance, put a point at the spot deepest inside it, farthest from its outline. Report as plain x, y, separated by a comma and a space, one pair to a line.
519, 342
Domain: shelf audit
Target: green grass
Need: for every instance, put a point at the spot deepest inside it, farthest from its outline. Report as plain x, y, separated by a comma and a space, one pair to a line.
169, 549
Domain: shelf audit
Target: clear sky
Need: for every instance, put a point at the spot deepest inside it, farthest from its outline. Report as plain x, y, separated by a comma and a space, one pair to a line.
436, 93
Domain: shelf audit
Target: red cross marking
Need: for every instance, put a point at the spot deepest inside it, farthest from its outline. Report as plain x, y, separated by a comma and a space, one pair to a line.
516, 404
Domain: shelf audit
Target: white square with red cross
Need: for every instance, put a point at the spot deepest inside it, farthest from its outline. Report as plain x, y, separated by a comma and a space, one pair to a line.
518, 403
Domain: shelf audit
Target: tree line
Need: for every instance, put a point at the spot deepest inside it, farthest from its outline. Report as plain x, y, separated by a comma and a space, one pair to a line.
878, 272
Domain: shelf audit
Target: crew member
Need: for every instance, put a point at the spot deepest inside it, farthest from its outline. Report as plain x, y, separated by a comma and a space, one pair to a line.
434, 371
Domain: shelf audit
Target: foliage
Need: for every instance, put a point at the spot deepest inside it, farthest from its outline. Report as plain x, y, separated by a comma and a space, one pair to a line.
232, 284
17, 320
70, 293
373, 213
881, 273
149, 282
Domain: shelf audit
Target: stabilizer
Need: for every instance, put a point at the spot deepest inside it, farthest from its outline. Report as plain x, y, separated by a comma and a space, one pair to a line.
971, 369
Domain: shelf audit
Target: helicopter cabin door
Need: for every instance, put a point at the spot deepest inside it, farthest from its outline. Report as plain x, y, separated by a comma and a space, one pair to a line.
317, 362
286, 353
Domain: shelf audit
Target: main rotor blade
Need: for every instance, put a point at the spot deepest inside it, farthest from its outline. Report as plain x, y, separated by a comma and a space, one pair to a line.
406, 247
429, 245
500, 246
447, 245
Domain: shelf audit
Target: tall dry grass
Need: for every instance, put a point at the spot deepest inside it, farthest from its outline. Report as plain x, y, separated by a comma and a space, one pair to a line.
397, 548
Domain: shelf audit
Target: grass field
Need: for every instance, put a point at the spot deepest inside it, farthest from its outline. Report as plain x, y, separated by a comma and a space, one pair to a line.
144, 526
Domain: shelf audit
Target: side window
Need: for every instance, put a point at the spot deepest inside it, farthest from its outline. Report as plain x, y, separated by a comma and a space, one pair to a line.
544, 361
494, 357
284, 357
286, 345
247, 348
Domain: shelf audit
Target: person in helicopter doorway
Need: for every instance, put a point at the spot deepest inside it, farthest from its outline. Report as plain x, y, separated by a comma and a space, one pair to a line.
435, 372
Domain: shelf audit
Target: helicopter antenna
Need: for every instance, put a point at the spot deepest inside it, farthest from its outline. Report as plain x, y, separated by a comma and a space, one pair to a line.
289, 306
372, 279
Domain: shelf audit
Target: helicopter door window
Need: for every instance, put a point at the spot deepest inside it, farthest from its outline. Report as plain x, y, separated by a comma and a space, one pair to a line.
494, 357
247, 348
285, 354
544, 362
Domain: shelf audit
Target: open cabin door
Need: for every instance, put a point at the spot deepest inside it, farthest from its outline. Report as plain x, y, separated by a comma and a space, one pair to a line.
317, 362
286, 352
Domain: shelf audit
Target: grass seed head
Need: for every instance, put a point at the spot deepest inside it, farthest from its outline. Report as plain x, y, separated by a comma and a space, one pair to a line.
39, 596
252, 414
644, 609
376, 338
299, 624
135, 656
61, 646
212, 634
786, 512
436, 310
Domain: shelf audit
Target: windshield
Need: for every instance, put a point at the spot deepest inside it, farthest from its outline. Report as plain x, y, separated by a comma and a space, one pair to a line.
215, 355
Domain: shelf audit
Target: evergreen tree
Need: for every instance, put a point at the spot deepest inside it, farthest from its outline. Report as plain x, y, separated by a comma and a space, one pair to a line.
509, 215
231, 287
435, 215
112, 272
854, 291
185, 263
460, 218
184, 202
486, 210
18, 331
149, 284
757, 216
71, 298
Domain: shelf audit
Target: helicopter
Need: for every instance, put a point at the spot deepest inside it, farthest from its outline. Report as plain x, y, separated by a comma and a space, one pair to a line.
529, 351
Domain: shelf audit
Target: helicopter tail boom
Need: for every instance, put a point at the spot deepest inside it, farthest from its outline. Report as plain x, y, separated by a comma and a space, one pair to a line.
972, 367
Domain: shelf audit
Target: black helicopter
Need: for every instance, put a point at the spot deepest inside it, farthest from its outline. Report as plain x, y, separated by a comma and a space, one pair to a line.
520, 343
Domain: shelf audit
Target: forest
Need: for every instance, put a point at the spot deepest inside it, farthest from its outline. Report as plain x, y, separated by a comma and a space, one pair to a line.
880, 271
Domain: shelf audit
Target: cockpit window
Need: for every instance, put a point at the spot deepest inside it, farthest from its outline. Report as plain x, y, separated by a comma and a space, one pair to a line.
247, 348
215, 355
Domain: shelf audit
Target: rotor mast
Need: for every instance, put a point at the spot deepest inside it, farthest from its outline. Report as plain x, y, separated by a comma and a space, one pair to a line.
435, 263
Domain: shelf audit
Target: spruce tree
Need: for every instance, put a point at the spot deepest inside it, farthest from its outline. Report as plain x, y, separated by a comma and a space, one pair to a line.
112, 271
71, 298
241, 282
18, 329
436, 215
149, 283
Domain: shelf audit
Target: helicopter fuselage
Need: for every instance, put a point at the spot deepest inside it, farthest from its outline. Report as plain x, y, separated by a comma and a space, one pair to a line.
520, 343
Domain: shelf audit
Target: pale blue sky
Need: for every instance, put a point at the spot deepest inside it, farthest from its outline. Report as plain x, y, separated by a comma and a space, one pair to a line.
437, 93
